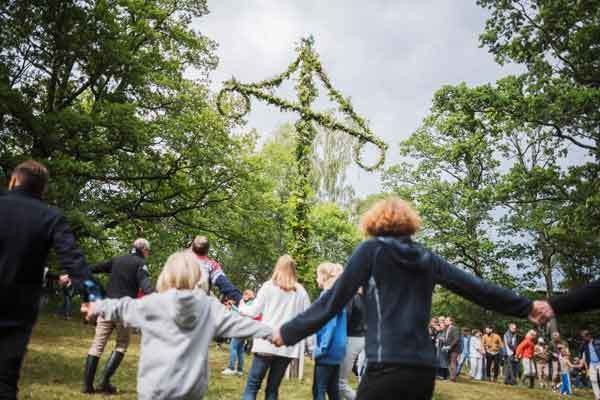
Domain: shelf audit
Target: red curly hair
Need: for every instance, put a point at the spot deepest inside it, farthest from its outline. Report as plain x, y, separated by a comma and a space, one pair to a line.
390, 217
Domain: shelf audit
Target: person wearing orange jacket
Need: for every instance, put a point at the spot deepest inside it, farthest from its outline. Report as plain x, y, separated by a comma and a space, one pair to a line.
525, 352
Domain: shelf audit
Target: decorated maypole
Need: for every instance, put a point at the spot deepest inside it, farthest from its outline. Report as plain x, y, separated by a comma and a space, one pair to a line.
308, 66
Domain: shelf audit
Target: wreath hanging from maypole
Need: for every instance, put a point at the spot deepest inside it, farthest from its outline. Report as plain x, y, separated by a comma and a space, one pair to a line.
308, 66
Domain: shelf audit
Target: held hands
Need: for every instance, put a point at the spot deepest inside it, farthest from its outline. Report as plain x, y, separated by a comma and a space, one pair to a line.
88, 310
276, 339
541, 312
64, 280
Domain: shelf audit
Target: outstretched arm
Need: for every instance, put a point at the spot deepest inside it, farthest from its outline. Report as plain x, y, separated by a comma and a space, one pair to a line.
585, 298
70, 256
227, 288
479, 291
105, 267
125, 309
232, 324
144, 281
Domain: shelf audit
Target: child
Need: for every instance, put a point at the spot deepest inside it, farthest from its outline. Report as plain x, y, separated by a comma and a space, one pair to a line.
565, 367
541, 362
236, 347
330, 346
525, 352
177, 324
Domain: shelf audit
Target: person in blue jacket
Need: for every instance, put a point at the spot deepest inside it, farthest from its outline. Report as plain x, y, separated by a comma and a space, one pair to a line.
330, 346
399, 275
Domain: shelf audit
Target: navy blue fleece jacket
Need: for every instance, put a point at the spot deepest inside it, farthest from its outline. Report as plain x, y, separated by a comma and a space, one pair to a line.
399, 276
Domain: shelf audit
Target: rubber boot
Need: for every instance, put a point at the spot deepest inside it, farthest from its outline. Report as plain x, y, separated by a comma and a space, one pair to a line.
91, 364
111, 367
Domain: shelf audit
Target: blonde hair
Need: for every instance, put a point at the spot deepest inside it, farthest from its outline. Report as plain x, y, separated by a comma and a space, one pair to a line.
390, 217
284, 274
327, 274
181, 271
532, 333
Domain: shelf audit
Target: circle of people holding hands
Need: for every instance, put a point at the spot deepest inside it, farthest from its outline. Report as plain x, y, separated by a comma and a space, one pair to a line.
374, 314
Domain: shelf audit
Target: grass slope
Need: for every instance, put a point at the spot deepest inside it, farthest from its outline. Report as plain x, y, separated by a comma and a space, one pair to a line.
54, 366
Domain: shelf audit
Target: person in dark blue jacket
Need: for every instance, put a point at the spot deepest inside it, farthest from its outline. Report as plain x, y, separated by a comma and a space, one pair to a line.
330, 346
400, 276
29, 228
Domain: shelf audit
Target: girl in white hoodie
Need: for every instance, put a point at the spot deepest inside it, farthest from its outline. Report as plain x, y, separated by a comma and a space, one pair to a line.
279, 300
178, 324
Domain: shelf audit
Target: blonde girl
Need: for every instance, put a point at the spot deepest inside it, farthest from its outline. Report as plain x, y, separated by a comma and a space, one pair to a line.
331, 339
175, 365
279, 300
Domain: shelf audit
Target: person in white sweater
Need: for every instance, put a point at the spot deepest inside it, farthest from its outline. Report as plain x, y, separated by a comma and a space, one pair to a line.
476, 354
279, 300
177, 323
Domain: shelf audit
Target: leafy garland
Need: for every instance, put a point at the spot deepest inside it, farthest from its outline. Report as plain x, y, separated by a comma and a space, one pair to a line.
308, 65
309, 59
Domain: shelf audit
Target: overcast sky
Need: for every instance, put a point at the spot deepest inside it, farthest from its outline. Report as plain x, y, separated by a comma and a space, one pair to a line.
388, 56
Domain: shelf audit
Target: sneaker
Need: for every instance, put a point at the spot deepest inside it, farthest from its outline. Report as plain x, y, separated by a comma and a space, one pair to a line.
228, 371
239, 373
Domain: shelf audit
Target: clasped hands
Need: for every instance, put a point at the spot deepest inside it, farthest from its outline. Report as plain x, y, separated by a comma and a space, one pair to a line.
541, 312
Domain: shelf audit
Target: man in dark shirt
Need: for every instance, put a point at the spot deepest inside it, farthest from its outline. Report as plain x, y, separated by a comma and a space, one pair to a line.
453, 346
29, 229
128, 275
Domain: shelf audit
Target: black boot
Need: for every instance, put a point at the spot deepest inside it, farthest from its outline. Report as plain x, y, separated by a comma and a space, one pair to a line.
91, 364
531, 382
111, 367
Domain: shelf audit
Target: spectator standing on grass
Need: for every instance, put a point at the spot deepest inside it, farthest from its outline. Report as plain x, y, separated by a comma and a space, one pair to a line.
432, 329
356, 330
511, 366
541, 362
453, 345
29, 229
466, 348
128, 275
236, 346
476, 355
525, 352
564, 359
442, 351
492, 343
279, 299
554, 349
590, 356
330, 341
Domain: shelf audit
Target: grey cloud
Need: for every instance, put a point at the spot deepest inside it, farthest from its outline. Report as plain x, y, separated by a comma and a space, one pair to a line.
388, 56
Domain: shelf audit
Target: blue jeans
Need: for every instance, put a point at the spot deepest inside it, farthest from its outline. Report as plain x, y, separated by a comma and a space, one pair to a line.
326, 381
236, 351
462, 360
276, 366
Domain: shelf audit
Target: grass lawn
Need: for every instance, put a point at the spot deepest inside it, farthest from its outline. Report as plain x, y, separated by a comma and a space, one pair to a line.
54, 367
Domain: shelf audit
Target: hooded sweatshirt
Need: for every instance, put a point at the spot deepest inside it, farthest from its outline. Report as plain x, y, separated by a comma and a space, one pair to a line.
177, 328
331, 340
399, 276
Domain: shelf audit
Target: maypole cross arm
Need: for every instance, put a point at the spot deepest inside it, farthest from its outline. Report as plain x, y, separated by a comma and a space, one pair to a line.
309, 65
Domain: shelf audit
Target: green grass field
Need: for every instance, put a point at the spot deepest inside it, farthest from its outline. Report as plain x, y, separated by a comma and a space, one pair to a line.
54, 366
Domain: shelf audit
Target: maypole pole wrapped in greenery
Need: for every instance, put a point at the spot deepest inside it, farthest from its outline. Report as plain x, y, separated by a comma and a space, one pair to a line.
309, 67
